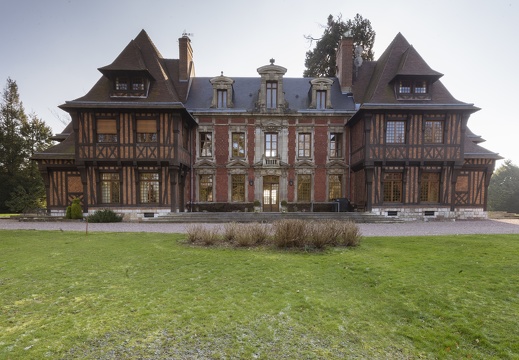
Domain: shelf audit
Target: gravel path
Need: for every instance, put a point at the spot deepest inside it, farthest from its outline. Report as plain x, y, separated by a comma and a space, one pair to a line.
394, 229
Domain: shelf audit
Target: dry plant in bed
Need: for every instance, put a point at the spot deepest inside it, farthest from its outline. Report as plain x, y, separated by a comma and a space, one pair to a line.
289, 233
197, 233
251, 234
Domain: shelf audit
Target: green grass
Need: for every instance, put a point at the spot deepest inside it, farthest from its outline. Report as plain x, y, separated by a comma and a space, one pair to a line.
146, 295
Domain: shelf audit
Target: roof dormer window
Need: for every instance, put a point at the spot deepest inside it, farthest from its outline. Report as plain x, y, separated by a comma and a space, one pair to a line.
271, 96
130, 86
222, 92
321, 93
412, 89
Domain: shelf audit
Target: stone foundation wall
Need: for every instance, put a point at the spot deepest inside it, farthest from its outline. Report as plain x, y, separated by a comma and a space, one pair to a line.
431, 213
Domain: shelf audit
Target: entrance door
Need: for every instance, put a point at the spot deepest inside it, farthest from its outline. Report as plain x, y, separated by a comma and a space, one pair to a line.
271, 193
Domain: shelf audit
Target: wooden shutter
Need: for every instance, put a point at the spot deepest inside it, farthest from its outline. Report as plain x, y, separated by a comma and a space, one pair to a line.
146, 126
106, 126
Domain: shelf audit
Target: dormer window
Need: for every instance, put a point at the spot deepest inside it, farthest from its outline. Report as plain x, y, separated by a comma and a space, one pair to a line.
272, 94
271, 97
409, 89
222, 92
321, 93
130, 86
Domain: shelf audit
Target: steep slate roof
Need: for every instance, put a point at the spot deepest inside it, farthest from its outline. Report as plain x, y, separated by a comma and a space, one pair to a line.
246, 90
474, 151
374, 82
139, 55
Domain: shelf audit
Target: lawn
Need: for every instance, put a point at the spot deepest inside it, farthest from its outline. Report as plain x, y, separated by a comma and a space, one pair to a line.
65, 295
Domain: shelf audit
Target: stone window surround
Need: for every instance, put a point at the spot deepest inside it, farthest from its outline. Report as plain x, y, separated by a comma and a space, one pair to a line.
222, 83
271, 73
323, 84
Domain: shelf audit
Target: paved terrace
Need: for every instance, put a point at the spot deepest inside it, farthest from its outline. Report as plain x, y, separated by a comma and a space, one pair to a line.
501, 226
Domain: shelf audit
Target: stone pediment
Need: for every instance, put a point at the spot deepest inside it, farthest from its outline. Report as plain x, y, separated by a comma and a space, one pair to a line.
304, 163
237, 163
204, 163
336, 164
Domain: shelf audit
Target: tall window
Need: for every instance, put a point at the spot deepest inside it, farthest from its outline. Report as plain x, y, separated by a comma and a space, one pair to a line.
110, 188
185, 135
320, 99
221, 99
304, 186
146, 131
335, 145
393, 187
271, 144
149, 188
272, 94
395, 132
106, 131
205, 187
433, 132
238, 144
430, 187
238, 187
206, 144
304, 145
334, 187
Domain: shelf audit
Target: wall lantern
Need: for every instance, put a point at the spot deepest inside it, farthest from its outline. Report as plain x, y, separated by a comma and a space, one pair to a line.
251, 182
291, 182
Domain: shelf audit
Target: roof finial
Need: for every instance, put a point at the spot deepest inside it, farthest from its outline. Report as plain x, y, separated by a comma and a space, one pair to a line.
221, 73
272, 61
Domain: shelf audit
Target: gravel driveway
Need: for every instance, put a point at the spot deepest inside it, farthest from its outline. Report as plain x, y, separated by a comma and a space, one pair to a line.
393, 229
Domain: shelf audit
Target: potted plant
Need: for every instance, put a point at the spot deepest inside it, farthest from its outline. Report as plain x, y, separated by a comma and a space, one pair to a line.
284, 206
257, 206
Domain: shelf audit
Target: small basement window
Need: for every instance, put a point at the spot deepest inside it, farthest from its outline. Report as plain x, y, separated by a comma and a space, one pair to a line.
149, 215
392, 213
429, 213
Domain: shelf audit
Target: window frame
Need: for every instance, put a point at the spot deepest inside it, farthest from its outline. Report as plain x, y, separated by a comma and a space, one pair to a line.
146, 137
144, 188
304, 188
221, 98
392, 186
238, 187
430, 187
320, 99
335, 145
271, 146
398, 129
335, 187
205, 186
109, 133
271, 95
238, 139
204, 151
433, 135
304, 145
110, 188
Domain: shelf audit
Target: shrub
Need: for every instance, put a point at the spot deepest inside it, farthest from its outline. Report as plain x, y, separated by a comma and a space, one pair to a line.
230, 231
76, 212
68, 213
197, 233
251, 234
322, 234
104, 216
289, 233
349, 234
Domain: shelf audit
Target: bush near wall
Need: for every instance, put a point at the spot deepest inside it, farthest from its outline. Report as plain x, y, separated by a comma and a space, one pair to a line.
222, 207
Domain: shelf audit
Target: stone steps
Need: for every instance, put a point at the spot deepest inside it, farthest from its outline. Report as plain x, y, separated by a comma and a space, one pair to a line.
268, 217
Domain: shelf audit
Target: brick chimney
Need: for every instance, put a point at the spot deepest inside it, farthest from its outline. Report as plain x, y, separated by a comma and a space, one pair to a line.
185, 54
344, 63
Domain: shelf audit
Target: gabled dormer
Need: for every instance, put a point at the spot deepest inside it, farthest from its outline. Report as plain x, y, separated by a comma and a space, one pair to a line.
413, 78
320, 93
222, 92
271, 96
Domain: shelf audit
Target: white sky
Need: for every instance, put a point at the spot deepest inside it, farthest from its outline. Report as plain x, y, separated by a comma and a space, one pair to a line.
52, 48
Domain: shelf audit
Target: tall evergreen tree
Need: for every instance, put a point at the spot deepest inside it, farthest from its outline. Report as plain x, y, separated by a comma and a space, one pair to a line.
503, 191
321, 60
20, 137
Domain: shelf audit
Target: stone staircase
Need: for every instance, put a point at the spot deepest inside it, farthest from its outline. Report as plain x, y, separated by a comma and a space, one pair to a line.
268, 217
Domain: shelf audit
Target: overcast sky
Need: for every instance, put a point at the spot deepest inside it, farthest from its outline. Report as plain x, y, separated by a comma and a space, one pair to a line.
52, 48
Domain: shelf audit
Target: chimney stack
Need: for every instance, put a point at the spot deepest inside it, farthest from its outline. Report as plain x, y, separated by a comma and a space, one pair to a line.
344, 63
185, 54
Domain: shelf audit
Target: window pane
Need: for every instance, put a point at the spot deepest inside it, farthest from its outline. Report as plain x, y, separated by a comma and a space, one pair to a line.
271, 144
320, 100
110, 188
238, 144
206, 144
272, 93
238, 188
393, 187
404, 87
433, 133
395, 132
430, 187
334, 187
206, 188
149, 188
222, 98
420, 87
304, 184
304, 144
335, 145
